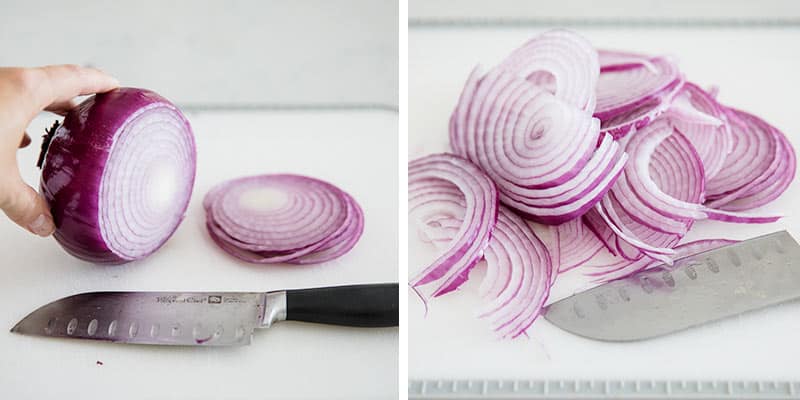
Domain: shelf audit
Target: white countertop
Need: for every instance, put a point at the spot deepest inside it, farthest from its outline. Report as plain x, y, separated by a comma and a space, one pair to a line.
355, 150
757, 70
229, 53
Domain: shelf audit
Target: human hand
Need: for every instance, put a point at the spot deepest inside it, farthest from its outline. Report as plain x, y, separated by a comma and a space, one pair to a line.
24, 92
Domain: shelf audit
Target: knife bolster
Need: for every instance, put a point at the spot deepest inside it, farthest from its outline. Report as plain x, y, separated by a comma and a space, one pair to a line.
274, 308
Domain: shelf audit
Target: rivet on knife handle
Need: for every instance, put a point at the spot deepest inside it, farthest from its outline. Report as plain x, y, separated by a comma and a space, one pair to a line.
371, 306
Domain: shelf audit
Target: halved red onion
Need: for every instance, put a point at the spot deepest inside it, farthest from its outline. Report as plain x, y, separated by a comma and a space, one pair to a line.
118, 175
560, 61
759, 167
282, 218
430, 175
540, 151
633, 90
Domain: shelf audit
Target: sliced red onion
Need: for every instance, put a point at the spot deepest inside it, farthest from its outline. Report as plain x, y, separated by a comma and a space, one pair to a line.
527, 125
118, 175
696, 115
641, 147
623, 268
659, 196
539, 150
633, 90
282, 218
760, 166
563, 62
519, 269
613, 60
576, 244
427, 176
521, 278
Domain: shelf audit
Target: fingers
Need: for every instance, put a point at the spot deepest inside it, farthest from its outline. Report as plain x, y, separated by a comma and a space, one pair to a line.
62, 83
26, 208
26, 140
62, 107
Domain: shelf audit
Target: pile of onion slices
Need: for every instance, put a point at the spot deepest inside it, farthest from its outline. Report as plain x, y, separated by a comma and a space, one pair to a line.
563, 153
282, 218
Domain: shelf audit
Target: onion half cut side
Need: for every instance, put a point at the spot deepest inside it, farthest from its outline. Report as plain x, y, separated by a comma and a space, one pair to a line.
282, 218
118, 175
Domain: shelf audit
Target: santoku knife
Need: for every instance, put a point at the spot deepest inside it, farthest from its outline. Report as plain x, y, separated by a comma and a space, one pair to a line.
719, 283
207, 318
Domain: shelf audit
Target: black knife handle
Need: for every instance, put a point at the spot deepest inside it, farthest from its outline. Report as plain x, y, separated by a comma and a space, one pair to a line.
369, 306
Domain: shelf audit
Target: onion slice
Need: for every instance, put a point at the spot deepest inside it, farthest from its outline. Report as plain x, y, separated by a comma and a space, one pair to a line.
623, 268
561, 61
656, 201
633, 90
118, 175
519, 268
541, 151
428, 176
282, 218
758, 169
698, 116
576, 244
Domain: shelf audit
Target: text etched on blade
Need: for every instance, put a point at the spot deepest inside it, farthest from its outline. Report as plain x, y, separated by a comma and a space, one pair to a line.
210, 299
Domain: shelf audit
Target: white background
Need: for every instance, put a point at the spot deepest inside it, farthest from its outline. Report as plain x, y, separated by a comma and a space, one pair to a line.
224, 53
756, 69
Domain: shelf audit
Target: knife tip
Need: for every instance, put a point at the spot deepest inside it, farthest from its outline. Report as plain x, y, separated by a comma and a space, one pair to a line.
17, 328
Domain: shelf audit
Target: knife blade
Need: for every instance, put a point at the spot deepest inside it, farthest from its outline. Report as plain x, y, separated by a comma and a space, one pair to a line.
709, 286
207, 318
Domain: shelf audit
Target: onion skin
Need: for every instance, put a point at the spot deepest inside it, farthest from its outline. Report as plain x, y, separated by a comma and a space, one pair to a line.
74, 165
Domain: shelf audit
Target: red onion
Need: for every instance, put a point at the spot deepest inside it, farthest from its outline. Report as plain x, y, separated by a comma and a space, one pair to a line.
575, 244
539, 149
518, 278
561, 61
519, 268
531, 130
623, 268
118, 175
282, 218
429, 176
633, 90
698, 116
759, 167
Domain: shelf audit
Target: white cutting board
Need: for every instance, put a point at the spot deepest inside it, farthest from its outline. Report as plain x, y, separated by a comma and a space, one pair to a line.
355, 150
757, 70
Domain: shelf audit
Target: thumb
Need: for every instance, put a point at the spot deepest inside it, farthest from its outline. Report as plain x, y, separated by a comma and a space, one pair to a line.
25, 207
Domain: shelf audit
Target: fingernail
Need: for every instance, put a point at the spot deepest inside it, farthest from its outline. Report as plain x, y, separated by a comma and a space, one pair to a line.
42, 226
